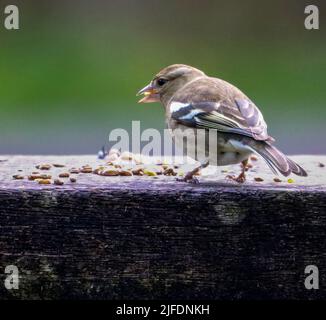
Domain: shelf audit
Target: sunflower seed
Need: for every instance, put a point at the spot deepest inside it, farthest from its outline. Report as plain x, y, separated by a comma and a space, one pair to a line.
58, 182
64, 175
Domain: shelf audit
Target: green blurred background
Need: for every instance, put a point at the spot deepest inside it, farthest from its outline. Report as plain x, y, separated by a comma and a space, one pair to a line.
70, 74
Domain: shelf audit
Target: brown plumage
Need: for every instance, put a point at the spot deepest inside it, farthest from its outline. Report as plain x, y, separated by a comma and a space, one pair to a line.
193, 100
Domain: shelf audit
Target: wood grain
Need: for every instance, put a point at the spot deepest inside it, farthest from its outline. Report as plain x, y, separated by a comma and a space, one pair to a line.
145, 238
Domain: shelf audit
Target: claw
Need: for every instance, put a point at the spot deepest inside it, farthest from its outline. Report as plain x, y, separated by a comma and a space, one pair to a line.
240, 179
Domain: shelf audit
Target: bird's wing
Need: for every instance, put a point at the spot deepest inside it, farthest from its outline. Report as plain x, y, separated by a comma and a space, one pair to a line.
230, 112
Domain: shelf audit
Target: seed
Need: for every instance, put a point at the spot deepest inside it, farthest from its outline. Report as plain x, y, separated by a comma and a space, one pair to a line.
73, 180
58, 165
74, 170
98, 169
150, 173
258, 179
125, 173
138, 171
277, 180
44, 181
86, 169
224, 171
64, 175
127, 156
43, 167
109, 172
39, 176
18, 177
58, 182
321, 165
35, 172
253, 158
290, 180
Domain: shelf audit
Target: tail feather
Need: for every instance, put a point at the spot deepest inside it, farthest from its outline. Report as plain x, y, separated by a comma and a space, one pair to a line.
296, 169
277, 161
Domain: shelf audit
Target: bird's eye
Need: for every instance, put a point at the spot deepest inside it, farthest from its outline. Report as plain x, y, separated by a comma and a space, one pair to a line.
161, 82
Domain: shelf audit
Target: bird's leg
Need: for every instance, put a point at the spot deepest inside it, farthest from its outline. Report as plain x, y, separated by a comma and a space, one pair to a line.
241, 178
189, 177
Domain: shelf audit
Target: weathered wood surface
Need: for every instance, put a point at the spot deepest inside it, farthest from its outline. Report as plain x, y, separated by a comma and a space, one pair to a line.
143, 238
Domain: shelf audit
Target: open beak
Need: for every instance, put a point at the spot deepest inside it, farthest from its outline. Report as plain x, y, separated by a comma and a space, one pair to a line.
150, 94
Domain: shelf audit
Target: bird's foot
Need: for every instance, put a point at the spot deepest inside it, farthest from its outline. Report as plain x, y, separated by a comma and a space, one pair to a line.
189, 179
241, 178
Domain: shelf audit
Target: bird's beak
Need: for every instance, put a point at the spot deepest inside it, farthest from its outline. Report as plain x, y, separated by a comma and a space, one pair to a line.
150, 94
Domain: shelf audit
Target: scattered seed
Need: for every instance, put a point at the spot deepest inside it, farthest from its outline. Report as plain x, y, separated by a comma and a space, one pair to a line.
43, 167
19, 170
64, 175
18, 177
150, 173
109, 172
73, 180
277, 180
138, 171
125, 173
44, 181
98, 169
58, 165
39, 176
253, 158
86, 169
258, 179
74, 170
321, 165
290, 180
58, 182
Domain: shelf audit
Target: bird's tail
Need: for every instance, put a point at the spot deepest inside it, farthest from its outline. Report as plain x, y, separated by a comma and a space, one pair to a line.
277, 161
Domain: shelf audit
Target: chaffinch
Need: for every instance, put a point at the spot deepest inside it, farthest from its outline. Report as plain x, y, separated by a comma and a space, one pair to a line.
193, 100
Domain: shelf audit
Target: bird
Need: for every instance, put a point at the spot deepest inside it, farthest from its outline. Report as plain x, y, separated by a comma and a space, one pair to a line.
195, 102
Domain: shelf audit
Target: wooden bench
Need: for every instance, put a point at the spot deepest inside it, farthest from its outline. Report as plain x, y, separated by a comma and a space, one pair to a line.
152, 237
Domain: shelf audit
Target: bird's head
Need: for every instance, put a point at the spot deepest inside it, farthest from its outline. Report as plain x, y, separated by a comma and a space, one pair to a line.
167, 82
